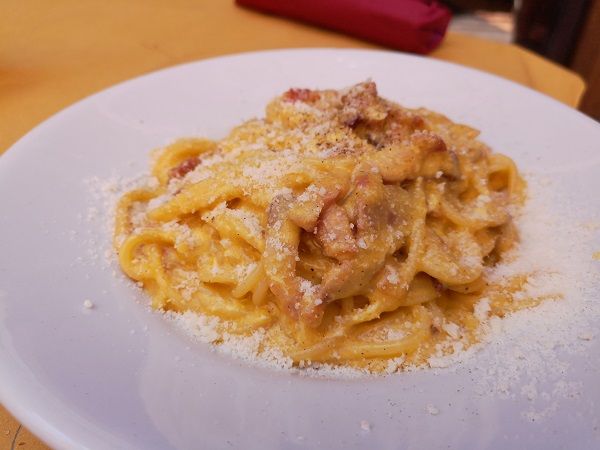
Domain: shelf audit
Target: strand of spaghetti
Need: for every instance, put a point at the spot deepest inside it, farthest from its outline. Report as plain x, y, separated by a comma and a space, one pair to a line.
123, 223
386, 349
502, 163
182, 150
127, 250
249, 283
197, 197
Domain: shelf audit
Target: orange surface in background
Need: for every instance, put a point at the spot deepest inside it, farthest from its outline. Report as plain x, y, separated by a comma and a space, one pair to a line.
54, 53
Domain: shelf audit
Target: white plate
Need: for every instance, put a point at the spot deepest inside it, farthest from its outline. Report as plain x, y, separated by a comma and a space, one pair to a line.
119, 376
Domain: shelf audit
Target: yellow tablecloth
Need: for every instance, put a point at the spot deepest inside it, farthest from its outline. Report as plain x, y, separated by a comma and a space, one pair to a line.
54, 53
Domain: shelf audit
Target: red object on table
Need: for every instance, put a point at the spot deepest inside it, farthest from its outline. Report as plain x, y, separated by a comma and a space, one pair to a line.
416, 26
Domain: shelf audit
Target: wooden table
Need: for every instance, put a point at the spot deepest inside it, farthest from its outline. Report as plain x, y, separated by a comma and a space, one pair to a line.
53, 54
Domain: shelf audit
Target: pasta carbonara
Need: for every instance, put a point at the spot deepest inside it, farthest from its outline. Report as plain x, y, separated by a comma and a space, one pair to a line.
347, 229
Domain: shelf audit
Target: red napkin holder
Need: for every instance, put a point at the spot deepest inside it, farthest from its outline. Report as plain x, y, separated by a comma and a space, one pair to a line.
416, 26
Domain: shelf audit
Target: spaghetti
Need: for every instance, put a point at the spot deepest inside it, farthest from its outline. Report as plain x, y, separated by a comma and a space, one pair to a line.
347, 229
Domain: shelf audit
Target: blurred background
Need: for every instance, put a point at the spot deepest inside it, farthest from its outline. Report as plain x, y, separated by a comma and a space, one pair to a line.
564, 31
